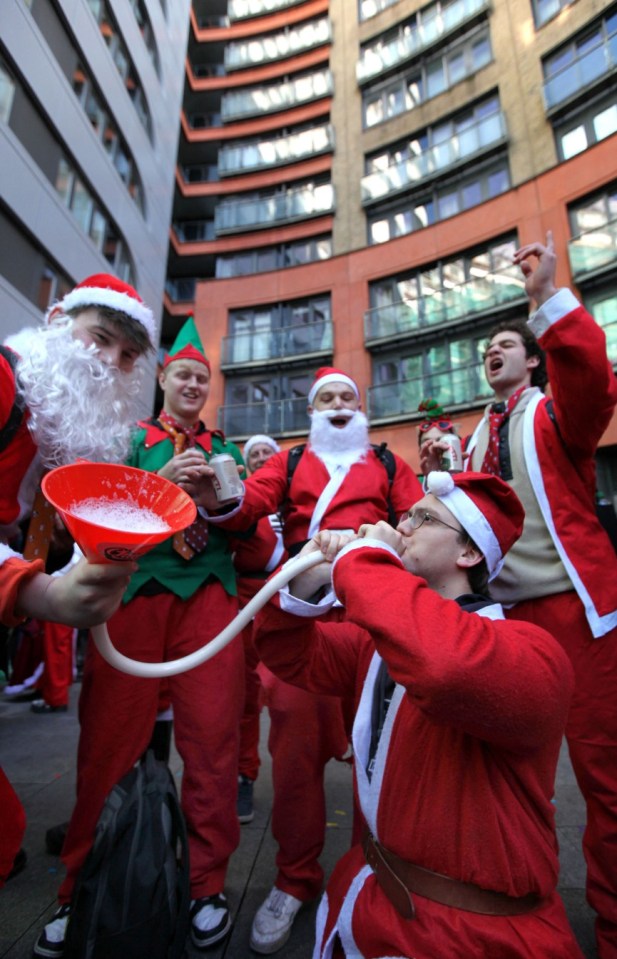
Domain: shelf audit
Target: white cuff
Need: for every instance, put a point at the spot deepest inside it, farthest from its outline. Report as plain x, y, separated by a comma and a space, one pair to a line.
213, 518
370, 543
556, 307
301, 607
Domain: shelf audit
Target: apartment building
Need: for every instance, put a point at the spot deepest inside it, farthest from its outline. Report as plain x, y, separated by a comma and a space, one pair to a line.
352, 178
90, 92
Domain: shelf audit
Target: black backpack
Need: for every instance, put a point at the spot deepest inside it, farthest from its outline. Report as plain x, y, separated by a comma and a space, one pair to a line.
132, 896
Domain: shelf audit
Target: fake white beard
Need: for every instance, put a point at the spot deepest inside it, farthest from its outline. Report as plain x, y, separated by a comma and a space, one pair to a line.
335, 446
79, 406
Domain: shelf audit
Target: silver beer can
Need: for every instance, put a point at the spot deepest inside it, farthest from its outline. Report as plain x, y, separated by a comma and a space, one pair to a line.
227, 483
452, 458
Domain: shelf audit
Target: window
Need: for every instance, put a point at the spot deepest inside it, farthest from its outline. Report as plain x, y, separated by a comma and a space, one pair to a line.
433, 76
583, 62
475, 282
7, 91
280, 330
446, 199
593, 123
273, 405
545, 10
274, 257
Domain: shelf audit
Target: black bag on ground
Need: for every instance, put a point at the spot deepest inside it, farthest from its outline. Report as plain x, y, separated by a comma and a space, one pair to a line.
132, 897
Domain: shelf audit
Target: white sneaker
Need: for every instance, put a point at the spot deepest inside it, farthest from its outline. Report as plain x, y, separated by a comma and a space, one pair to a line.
51, 941
273, 921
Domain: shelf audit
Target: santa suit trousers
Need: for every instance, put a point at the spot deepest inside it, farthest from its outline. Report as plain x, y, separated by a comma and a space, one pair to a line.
58, 660
117, 713
306, 731
592, 741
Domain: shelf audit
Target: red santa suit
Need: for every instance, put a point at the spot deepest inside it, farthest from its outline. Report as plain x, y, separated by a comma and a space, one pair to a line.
307, 730
463, 773
557, 467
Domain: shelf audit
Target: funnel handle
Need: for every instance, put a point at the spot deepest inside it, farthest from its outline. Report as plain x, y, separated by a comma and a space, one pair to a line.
156, 670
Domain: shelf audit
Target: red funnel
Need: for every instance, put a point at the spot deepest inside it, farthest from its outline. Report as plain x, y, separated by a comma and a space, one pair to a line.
73, 489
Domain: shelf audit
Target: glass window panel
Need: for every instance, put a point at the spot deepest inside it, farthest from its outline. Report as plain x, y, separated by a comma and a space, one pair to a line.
605, 122
472, 194
448, 205
97, 229
7, 92
574, 142
498, 182
81, 204
435, 79
380, 231
604, 311
64, 181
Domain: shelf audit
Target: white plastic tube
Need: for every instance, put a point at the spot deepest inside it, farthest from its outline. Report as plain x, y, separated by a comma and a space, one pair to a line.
156, 670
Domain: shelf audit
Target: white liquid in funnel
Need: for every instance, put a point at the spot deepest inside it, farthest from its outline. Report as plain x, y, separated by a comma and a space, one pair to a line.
125, 515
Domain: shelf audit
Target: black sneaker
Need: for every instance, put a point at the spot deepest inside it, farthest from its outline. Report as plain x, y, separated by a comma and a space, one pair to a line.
210, 920
50, 944
54, 838
245, 799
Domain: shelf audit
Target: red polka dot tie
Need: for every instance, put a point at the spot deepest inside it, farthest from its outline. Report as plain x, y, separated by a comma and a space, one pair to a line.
497, 416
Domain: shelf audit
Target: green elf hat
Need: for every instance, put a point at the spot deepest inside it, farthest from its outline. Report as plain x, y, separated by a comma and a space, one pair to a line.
187, 345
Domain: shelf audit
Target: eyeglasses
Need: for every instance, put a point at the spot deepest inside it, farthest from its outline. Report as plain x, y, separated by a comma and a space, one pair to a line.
419, 516
440, 424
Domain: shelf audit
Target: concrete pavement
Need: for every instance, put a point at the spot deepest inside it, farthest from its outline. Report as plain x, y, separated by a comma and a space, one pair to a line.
38, 755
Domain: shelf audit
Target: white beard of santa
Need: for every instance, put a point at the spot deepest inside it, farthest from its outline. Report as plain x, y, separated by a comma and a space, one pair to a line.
79, 406
339, 446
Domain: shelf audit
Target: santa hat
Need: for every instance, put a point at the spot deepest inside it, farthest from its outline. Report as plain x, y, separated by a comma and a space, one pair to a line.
487, 508
108, 291
329, 374
257, 439
187, 345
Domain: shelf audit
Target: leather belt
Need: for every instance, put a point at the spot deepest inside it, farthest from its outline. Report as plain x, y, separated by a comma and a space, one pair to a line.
398, 878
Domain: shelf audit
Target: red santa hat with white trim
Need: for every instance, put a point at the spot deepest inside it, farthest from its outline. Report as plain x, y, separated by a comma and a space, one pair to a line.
487, 508
329, 374
103, 289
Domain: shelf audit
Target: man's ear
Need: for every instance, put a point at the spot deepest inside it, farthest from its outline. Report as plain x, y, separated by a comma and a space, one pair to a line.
162, 377
469, 556
532, 362
309, 410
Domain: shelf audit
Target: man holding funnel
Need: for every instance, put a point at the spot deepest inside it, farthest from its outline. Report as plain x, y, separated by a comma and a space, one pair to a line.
67, 390
183, 594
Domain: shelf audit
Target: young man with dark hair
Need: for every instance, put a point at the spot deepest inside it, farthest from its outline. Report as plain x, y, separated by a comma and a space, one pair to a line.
562, 573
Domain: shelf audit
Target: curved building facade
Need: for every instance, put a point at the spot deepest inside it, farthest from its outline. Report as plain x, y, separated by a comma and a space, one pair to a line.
353, 178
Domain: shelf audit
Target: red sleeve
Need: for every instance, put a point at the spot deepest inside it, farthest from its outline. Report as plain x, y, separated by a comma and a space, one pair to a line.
13, 574
7, 390
582, 380
504, 682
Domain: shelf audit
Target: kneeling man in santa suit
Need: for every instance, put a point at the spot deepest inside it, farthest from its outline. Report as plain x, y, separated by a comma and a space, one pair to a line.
459, 721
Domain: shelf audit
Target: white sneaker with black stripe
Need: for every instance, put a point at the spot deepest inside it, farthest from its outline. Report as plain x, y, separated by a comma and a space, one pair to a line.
50, 943
210, 920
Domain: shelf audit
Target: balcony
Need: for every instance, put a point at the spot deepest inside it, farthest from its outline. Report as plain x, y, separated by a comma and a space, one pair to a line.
415, 38
181, 289
257, 101
234, 216
444, 307
194, 231
285, 343
289, 43
272, 418
244, 9
462, 146
461, 386
593, 251
263, 154
200, 173
585, 70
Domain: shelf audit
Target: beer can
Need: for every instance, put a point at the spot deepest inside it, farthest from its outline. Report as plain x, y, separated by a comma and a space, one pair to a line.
227, 483
452, 458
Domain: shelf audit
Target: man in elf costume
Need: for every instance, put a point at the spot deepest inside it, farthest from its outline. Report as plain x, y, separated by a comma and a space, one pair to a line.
182, 595
67, 389
562, 573
458, 726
